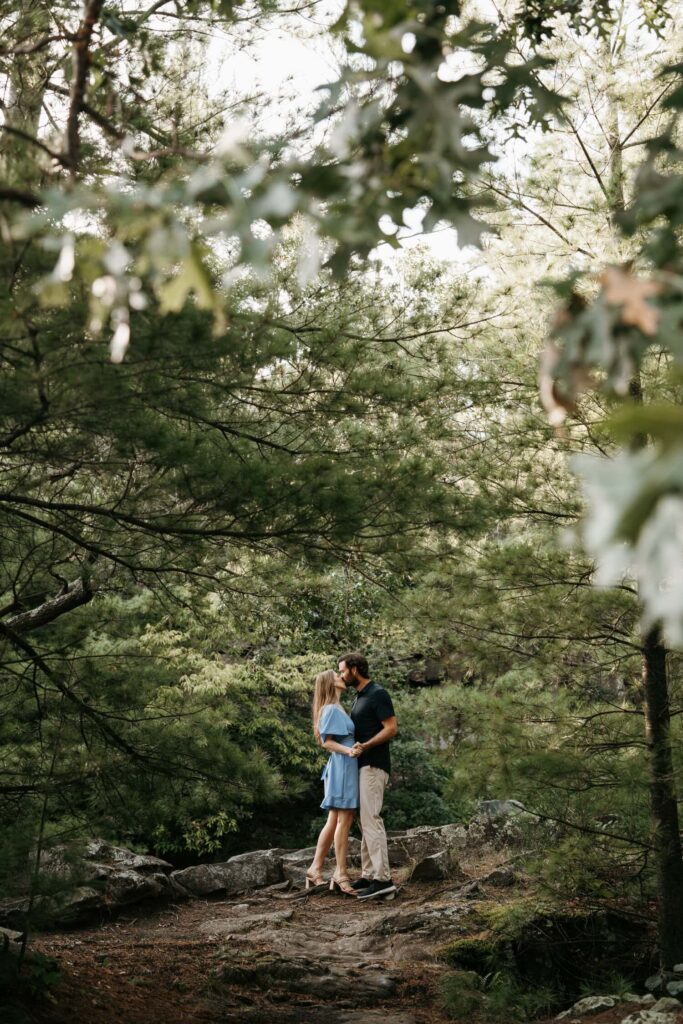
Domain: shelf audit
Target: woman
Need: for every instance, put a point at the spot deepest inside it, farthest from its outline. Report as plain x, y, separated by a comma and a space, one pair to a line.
334, 730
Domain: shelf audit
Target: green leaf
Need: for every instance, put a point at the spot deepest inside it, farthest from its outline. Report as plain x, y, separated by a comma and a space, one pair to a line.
661, 421
192, 278
125, 28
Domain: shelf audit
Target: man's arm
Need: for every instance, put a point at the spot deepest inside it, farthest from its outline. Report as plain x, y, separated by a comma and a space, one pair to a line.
388, 731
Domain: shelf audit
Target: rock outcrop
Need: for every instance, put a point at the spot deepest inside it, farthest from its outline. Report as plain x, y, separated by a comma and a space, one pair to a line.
103, 878
97, 881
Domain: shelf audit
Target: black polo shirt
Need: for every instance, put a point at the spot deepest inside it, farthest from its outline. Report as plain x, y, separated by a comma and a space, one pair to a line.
371, 707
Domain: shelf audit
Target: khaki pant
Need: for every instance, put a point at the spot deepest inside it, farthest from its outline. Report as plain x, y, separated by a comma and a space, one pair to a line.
373, 851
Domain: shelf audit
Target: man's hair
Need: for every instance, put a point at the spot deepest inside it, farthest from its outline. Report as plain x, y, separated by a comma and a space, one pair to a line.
354, 659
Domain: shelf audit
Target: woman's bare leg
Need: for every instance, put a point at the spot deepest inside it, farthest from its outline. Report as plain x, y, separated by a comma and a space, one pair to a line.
325, 841
341, 841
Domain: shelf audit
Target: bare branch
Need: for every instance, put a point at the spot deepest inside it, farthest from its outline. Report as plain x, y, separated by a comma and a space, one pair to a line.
589, 158
75, 595
20, 134
641, 121
539, 217
24, 48
16, 195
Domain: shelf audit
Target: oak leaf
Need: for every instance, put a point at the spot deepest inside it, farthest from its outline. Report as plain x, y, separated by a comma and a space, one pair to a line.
621, 288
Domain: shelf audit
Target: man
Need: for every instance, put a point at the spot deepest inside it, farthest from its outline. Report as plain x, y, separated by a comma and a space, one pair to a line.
375, 722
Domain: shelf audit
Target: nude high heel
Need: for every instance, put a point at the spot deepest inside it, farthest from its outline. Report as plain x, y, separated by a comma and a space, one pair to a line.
314, 879
343, 883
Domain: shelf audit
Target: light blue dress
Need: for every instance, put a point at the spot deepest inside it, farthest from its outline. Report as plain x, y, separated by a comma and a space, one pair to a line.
340, 774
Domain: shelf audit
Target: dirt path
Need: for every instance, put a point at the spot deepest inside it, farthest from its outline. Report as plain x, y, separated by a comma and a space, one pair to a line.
267, 958
272, 957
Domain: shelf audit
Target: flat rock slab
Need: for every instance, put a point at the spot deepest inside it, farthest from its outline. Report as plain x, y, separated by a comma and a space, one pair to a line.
322, 979
316, 1013
432, 921
374, 1017
651, 1017
244, 924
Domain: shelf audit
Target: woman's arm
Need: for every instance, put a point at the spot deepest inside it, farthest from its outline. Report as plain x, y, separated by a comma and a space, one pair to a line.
338, 748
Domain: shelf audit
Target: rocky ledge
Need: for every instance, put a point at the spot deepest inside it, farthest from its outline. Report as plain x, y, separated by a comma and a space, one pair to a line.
102, 878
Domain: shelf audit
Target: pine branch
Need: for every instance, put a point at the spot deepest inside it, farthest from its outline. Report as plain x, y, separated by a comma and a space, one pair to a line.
77, 594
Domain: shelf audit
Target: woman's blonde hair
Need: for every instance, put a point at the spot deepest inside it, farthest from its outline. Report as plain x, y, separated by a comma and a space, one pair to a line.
324, 693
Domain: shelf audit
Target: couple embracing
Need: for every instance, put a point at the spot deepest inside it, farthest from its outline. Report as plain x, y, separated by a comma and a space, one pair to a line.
355, 776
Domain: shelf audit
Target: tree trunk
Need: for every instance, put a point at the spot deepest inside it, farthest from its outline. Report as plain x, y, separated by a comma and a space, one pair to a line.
663, 790
663, 804
26, 82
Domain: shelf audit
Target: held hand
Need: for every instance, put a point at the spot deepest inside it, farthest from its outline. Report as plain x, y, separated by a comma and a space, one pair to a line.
357, 750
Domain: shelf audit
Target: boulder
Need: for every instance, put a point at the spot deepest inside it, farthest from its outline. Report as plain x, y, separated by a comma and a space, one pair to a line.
70, 862
10, 941
245, 871
413, 845
296, 863
257, 869
655, 981
589, 1006
469, 891
205, 879
436, 868
63, 863
170, 887
667, 1005
103, 852
454, 837
500, 808
675, 987
124, 887
500, 878
75, 906
100, 878
500, 831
